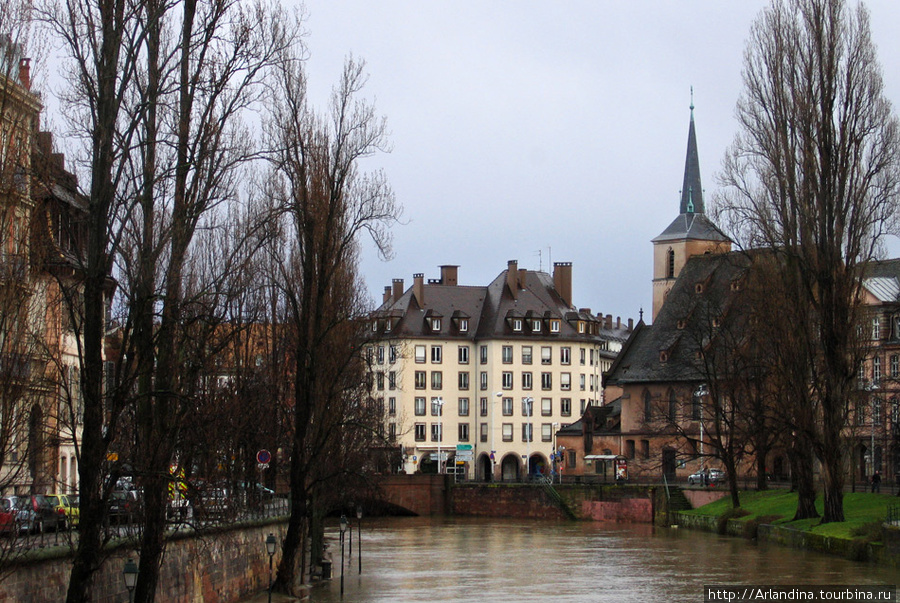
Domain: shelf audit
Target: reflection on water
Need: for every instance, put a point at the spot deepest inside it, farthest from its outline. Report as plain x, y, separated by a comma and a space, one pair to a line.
478, 559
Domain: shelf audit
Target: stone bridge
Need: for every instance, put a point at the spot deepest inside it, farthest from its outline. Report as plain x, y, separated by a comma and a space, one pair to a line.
418, 494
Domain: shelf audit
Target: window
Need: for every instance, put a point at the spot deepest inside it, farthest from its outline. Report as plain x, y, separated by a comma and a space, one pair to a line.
483, 380
581, 326
420, 407
392, 406
527, 432
437, 380
645, 449
876, 328
435, 324
392, 431
437, 407
463, 380
876, 411
436, 354
507, 354
546, 432
381, 354
895, 411
437, 432
483, 432
895, 365
507, 407
420, 379
392, 380
546, 381
876, 369
536, 325
507, 379
526, 354
546, 355
420, 354
392, 354
570, 459
582, 356
464, 407
420, 432
526, 380
527, 407
565, 355
483, 407
583, 405
565, 381
581, 383
483, 353
629, 449
517, 324
648, 413
463, 432
463, 354
554, 325
546, 407
507, 432
463, 325
379, 379
670, 263
565, 407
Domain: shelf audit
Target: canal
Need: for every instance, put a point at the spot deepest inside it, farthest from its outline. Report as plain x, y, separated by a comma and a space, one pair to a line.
493, 560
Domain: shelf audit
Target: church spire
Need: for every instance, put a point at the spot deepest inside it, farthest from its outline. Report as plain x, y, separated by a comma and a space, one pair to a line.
692, 190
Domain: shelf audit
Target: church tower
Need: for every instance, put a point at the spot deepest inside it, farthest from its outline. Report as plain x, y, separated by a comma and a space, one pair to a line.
691, 233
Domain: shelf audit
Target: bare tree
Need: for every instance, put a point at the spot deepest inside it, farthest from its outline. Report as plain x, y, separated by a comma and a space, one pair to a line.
813, 175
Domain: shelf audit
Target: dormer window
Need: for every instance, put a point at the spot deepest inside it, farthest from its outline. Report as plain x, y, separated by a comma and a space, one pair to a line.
698, 288
581, 326
374, 326
664, 356
716, 323
463, 325
681, 324
387, 325
536, 326
554, 326
517, 324
435, 324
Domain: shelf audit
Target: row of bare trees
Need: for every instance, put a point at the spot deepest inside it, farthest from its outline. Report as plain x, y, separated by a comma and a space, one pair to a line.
217, 308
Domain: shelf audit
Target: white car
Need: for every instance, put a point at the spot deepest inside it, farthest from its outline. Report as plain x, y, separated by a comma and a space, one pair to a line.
713, 476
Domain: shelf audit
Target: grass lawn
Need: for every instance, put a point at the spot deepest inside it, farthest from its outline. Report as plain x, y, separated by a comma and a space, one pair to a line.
861, 509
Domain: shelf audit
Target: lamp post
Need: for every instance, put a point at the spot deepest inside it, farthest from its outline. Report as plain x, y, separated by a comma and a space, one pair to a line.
699, 393
438, 407
359, 527
343, 529
527, 407
270, 549
555, 453
130, 573
499, 396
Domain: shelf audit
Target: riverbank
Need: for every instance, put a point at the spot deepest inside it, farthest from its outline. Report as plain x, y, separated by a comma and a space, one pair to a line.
766, 516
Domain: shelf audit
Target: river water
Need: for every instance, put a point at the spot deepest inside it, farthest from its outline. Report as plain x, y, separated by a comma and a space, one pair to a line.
493, 560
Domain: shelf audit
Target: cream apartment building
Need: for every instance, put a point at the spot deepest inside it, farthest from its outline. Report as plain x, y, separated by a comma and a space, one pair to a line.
478, 379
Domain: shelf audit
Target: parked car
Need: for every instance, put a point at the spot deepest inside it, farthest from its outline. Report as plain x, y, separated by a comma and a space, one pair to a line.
707, 477
123, 506
34, 513
66, 509
7, 516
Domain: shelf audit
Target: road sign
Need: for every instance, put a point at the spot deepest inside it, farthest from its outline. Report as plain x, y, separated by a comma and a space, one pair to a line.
464, 447
462, 456
263, 457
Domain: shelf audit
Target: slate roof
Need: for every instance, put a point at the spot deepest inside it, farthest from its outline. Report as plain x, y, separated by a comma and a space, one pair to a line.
882, 279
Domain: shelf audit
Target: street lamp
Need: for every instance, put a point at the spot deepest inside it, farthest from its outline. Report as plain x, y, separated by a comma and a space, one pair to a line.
527, 407
130, 573
557, 465
343, 529
699, 393
437, 405
270, 549
359, 527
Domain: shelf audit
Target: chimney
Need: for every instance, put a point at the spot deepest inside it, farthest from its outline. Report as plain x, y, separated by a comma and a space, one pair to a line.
609, 321
419, 288
25, 73
398, 288
387, 294
618, 322
449, 275
522, 277
630, 324
512, 277
562, 280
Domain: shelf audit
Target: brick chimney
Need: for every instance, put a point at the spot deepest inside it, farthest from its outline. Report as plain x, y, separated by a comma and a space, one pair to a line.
562, 280
449, 275
25, 73
398, 288
387, 294
419, 288
512, 277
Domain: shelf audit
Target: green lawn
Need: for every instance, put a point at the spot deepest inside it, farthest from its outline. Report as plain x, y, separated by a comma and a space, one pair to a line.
860, 509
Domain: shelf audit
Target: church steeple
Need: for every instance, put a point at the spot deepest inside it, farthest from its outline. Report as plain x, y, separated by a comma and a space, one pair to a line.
692, 189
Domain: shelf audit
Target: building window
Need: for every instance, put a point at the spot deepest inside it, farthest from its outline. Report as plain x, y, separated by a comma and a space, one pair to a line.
435, 324
483, 353
463, 380
507, 432
463, 325
527, 432
483, 380
437, 407
463, 355
381, 354
437, 434
483, 407
464, 407
526, 380
581, 326
648, 412
583, 405
463, 432
876, 411
517, 324
629, 449
895, 365
420, 354
536, 325
436, 354
421, 379
546, 432
507, 354
507, 404
670, 263
546, 381
565, 355
876, 328
437, 379
546, 355
483, 432
565, 407
645, 448
581, 382
420, 407
570, 459
507, 379
420, 432
565, 381
876, 369
392, 380
895, 412
546, 407
379, 379
527, 407
392, 431
392, 406
554, 325
392, 354
582, 355
526, 354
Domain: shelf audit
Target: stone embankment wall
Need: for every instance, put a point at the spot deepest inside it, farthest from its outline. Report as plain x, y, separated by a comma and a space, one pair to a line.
225, 566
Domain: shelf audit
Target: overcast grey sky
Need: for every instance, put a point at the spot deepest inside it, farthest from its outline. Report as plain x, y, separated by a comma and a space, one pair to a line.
546, 131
